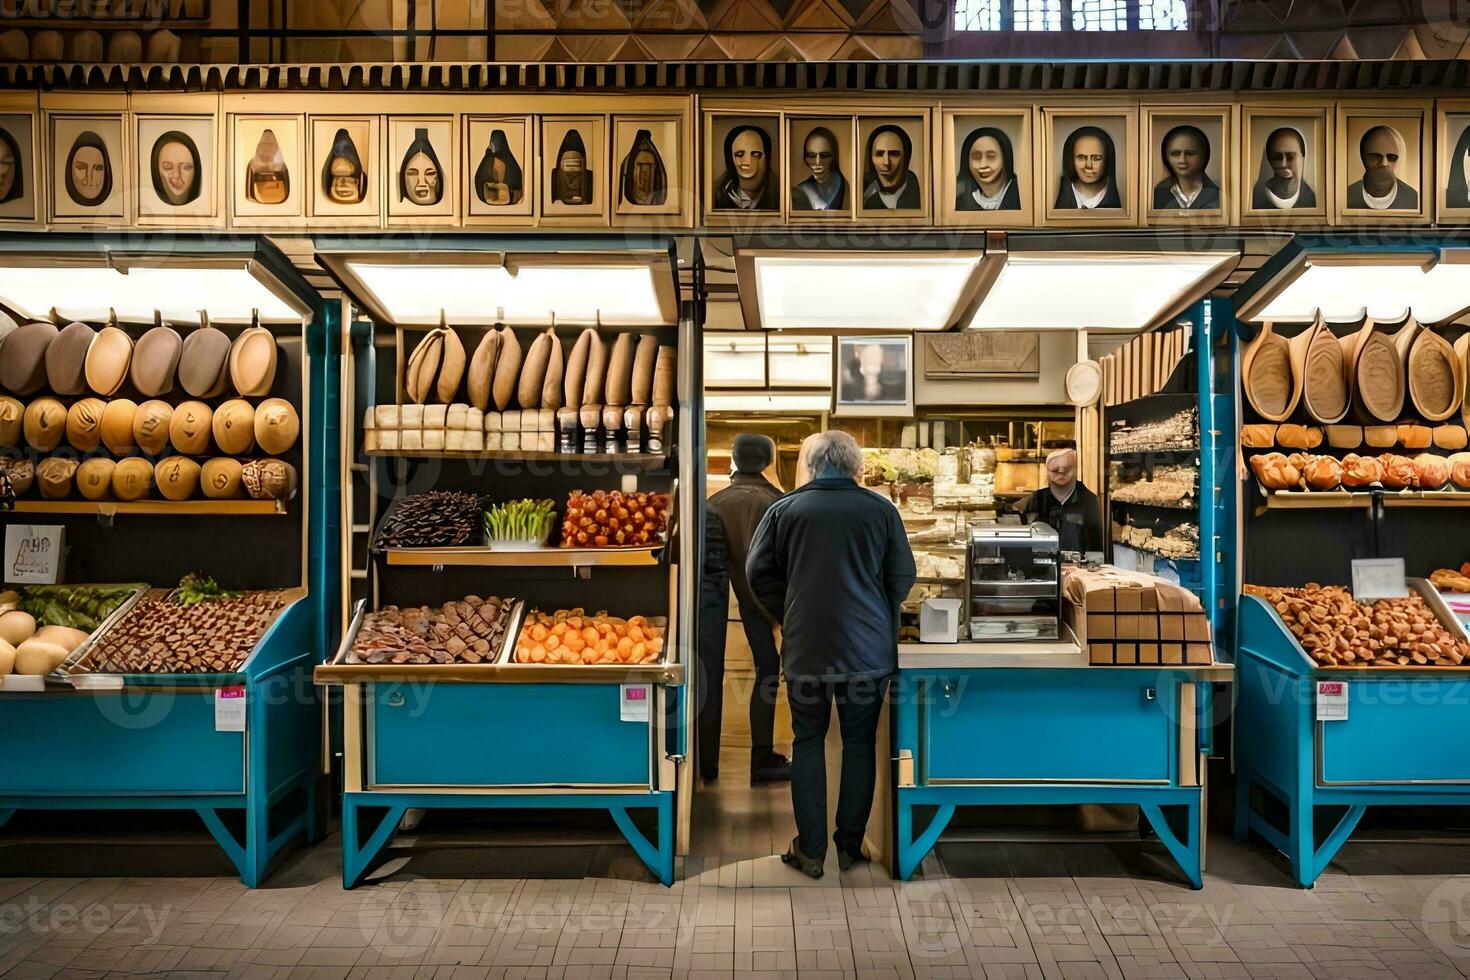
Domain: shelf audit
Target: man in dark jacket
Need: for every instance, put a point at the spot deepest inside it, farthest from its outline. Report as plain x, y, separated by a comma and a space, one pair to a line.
831, 562
740, 507
1066, 505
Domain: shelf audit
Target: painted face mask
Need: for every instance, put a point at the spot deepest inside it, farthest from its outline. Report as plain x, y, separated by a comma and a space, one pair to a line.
267, 180
176, 169
88, 171
498, 179
343, 179
420, 178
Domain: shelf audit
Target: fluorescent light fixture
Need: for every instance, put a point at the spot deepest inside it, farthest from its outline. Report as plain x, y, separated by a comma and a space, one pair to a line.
1097, 291
520, 293
767, 402
1383, 287
801, 362
177, 292
890, 291
734, 360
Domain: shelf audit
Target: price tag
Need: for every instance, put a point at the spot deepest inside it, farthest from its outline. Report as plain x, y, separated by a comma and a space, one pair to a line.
33, 554
229, 709
635, 702
1379, 578
1332, 700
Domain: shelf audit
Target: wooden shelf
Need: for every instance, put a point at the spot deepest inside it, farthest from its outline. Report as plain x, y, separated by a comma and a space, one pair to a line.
480, 556
640, 461
1363, 499
155, 508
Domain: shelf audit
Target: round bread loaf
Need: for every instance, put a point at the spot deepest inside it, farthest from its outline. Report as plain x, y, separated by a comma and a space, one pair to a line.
277, 426
507, 369
533, 371
156, 361
22, 474
66, 359
117, 426
37, 657
150, 426
203, 363
269, 479
253, 362
23, 358
11, 413
189, 429
45, 424
482, 370
451, 367
84, 424
177, 477
108, 359
220, 478
234, 427
132, 479
94, 478
54, 475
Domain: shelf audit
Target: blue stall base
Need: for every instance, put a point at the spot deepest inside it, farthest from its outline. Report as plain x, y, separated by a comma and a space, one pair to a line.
359, 854
1358, 762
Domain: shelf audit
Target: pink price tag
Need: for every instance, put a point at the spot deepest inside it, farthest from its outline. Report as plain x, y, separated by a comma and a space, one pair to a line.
637, 693
237, 691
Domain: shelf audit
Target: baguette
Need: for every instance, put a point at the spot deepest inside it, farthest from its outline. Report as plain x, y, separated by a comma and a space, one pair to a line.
533, 371
451, 367
551, 387
665, 374
575, 379
507, 368
596, 379
619, 386
482, 369
644, 360
423, 367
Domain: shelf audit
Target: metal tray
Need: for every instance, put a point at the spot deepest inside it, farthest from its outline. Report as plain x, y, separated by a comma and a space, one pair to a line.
341, 668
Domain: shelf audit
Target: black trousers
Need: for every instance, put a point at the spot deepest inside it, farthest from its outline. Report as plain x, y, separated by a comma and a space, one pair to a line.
859, 703
714, 606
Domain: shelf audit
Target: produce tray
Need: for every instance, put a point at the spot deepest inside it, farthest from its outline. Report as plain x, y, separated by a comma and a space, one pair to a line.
60, 674
556, 670
340, 670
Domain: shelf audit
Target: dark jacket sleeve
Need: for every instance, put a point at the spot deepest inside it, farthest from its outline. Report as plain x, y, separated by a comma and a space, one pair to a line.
765, 566
898, 564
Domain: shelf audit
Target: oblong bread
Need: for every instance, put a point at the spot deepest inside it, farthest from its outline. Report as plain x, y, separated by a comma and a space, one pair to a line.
619, 387
551, 386
644, 360
108, 359
1375, 375
423, 367
66, 358
1317, 357
1436, 377
533, 371
253, 362
596, 384
1450, 437
482, 369
1266, 376
507, 369
666, 376
451, 367
574, 382
1344, 436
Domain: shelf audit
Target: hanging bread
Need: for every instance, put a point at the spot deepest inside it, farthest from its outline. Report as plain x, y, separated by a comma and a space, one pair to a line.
644, 361
481, 378
666, 375
594, 390
533, 371
150, 426
1344, 436
421, 378
108, 359
451, 367
23, 358
507, 369
204, 363
44, 424
575, 380
253, 362
1436, 377
551, 386
619, 387
156, 361
1316, 357
1257, 436
66, 359
84, 424
1451, 437
1375, 374
1271, 386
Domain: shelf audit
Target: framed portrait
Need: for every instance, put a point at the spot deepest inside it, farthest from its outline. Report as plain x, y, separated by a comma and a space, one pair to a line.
88, 168
1383, 162
893, 166
1284, 171
268, 177
820, 167
986, 175
574, 169
343, 165
1188, 165
420, 155
873, 376
1088, 165
1452, 183
500, 169
19, 174
743, 163
647, 179
177, 172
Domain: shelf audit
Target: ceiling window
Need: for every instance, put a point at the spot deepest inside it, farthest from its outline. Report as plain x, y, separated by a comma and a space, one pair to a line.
1163, 15
1037, 15
1071, 15
1099, 15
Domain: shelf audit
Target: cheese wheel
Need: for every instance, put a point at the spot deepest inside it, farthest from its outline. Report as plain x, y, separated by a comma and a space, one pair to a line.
233, 426
107, 362
11, 414
551, 385
132, 479
533, 371
277, 426
482, 369
94, 478
643, 363
55, 476
44, 424
253, 362
177, 477
451, 367
666, 376
84, 424
507, 369
619, 387
220, 479
575, 378
189, 430
595, 385
150, 426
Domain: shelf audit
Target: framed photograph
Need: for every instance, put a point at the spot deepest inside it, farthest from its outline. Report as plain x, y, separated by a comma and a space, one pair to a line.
1383, 162
1088, 165
420, 157
1284, 171
647, 178
873, 376
1453, 173
88, 168
19, 173
500, 169
1188, 165
820, 167
574, 169
986, 175
743, 160
894, 167
344, 161
176, 172
268, 177
1013, 354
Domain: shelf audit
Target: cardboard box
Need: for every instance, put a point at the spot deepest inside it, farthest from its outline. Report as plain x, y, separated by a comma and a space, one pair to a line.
1128, 618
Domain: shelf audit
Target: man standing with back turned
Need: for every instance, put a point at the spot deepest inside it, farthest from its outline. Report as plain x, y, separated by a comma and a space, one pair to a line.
831, 562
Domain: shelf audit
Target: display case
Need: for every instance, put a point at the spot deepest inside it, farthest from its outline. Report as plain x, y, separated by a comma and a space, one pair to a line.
1014, 582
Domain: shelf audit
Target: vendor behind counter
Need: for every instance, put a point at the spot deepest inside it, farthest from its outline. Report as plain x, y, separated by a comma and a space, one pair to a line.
1066, 505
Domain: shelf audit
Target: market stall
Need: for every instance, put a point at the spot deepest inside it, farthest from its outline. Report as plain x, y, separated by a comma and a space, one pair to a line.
517, 416
1353, 429
161, 477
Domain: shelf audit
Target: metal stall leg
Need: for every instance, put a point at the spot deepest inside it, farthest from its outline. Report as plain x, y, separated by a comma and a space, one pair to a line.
1184, 847
912, 850
358, 857
659, 857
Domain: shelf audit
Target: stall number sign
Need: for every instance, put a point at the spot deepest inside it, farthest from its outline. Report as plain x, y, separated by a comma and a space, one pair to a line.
1332, 700
33, 554
635, 702
229, 709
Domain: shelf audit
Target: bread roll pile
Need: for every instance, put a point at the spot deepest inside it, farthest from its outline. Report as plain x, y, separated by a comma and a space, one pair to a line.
1387, 471
1336, 631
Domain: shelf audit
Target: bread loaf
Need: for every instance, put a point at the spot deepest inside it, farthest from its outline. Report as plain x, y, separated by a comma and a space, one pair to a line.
54, 476
1344, 436
551, 385
132, 479
575, 381
1299, 436
177, 478
1398, 472
1451, 437
1275, 471
1460, 470
482, 369
1360, 471
594, 391
666, 376
507, 369
451, 367
1414, 436
644, 360
619, 387
150, 426
1381, 436
84, 424
1431, 471
94, 478
533, 371
45, 423
421, 378
1251, 436
1323, 473
117, 426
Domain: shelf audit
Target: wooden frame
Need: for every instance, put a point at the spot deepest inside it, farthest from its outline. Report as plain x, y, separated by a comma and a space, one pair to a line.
21, 121
1451, 126
1257, 122
1112, 118
399, 134
842, 126
1416, 173
664, 129
1217, 122
523, 149
717, 124
243, 135
956, 123
887, 409
911, 121
65, 117
197, 117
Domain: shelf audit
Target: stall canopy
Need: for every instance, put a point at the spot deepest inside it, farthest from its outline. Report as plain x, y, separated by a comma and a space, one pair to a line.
1431, 282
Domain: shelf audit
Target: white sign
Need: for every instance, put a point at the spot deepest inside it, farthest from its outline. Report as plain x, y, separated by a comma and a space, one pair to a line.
1379, 578
229, 709
33, 554
1332, 700
636, 702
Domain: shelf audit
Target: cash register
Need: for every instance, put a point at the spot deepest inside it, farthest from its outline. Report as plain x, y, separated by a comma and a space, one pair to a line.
1013, 581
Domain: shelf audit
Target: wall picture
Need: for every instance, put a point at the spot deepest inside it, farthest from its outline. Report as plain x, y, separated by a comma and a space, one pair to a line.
18, 177
420, 162
894, 164
1187, 164
1454, 161
874, 376
819, 166
743, 164
1382, 162
176, 171
574, 167
987, 158
646, 176
1285, 161
500, 166
87, 166
268, 176
344, 166
1088, 160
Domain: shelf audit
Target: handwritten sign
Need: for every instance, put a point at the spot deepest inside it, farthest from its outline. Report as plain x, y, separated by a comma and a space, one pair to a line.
33, 554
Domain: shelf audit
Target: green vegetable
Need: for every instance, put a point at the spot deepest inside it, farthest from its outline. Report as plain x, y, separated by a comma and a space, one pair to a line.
520, 520
197, 587
82, 607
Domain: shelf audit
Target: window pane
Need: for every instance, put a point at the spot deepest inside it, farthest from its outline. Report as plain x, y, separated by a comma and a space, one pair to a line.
1038, 15
1099, 15
977, 15
1163, 15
